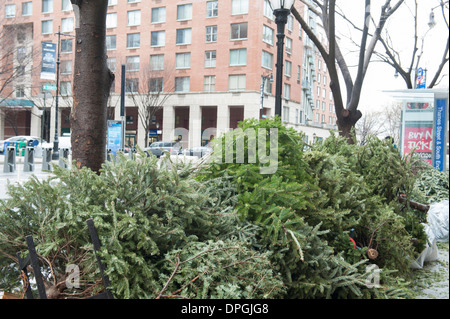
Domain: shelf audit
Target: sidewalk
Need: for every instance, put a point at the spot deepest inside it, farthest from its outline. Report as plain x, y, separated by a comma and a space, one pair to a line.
19, 176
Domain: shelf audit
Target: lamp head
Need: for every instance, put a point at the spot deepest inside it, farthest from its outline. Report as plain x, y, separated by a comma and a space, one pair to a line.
432, 21
281, 4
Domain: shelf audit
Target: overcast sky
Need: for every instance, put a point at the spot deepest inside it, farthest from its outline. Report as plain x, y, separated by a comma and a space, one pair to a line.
380, 76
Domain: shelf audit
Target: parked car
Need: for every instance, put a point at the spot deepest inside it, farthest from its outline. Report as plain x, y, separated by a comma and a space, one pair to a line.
159, 148
22, 141
197, 151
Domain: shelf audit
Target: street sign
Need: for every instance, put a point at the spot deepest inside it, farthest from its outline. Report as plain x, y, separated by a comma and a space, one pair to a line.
49, 87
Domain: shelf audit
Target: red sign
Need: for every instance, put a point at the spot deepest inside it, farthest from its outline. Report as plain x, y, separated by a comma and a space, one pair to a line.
419, 140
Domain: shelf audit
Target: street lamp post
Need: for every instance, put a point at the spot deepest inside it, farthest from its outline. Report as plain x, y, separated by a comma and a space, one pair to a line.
55, 155
281, 10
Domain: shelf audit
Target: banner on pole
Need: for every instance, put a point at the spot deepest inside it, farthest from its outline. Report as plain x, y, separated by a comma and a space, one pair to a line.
114, 139
48, 65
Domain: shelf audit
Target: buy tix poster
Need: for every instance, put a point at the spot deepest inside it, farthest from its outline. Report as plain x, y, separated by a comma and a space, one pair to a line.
419, 139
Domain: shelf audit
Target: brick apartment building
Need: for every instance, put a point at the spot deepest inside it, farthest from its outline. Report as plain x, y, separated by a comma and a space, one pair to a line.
210, 57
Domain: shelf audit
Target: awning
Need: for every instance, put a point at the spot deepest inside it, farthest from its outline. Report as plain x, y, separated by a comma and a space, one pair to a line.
16, 103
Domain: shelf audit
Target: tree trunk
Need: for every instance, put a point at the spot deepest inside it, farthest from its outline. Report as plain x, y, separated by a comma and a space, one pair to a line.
346, 123
91, 85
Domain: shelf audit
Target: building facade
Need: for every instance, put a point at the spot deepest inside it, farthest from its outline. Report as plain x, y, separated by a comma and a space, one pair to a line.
210, 61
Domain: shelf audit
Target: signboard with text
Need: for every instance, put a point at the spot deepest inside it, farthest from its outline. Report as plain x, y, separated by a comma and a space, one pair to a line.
114, 136
440, 129
419, 139
48, 64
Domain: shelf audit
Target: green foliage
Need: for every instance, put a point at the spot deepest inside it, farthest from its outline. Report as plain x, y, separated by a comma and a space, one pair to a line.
226, 230
431, 185
144, 215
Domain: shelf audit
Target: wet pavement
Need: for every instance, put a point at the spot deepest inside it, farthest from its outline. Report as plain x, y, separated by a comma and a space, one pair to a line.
432, 282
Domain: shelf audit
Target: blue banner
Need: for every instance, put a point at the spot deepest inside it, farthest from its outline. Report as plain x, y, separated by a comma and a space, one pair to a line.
48, 66
440, 147
114, 139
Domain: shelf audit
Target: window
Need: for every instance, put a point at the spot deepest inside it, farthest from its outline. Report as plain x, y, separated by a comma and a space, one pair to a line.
323, 118
209, 83
210, 59
155, 85
285, 114
183, 60
158, 38
27, 8
239, 7
319, 78
288, 68
131, 85
66, 46
268, 10
159, 15
239, 31
112, 2
66, 67
211, 33
132, 63
133, 1
21, 54
157, 62
184, 12
287, 91
47, 26
10, 10
267, 86
184, 36
182, 84
331, 108
268, 35
288, 45
111, 20
111, 63
212, 8
298, 72
290, 23
67, 25
267, 60
47, 6
133, 40
236, 82
110, 42
66, 88
238, 57
20, 91
134, 17
324, 106
20, 70
66, 5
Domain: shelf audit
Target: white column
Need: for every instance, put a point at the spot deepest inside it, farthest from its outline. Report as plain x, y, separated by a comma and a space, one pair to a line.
168, 123
195, 125
223, 119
